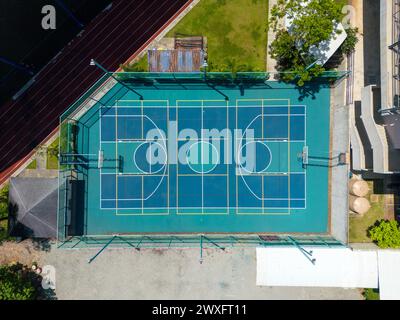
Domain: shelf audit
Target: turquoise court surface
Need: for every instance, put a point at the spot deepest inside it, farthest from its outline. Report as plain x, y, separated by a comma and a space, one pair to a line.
202, 158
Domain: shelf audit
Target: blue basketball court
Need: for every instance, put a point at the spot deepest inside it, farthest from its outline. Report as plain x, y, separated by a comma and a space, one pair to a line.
206, 160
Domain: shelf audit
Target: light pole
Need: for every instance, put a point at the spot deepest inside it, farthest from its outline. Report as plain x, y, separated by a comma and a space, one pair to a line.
205, 65
95, 63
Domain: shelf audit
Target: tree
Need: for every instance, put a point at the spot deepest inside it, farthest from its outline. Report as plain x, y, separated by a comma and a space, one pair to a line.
385, 233
349, 44
313, 21
16, 283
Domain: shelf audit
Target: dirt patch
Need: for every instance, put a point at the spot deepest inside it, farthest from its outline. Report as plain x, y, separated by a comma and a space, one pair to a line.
374, 198
389, 206
25, 252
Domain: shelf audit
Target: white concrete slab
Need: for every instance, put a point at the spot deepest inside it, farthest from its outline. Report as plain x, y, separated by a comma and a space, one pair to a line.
334, 267
389, 275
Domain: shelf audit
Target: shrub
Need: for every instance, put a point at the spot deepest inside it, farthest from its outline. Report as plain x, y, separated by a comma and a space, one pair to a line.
16, 283
349, 44
385, 233
4, 202
371, 294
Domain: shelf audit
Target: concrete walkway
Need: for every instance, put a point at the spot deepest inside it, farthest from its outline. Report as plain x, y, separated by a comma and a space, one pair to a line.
170, 274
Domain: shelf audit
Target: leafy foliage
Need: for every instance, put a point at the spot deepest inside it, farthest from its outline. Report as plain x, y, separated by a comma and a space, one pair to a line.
16, 284
385, 233
313, 21
349, 44
52, 155
4, 202
371, 294
4, 213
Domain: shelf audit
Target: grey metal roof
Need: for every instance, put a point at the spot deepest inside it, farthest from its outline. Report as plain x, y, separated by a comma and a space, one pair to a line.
33, 205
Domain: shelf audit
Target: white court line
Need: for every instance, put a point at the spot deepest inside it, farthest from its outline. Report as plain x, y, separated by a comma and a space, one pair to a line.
305, 171
207, 106
202, 162
304, 115
100, 146
289, 162
168, 195
207, 208
288, 135
270, 173
117, 174
201, 105
265, 114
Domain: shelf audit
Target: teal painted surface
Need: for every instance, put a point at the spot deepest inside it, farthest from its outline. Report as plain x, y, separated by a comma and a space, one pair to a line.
312, 219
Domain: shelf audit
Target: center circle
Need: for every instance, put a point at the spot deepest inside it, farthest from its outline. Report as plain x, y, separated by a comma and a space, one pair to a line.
258, 157
143, 157
202, 157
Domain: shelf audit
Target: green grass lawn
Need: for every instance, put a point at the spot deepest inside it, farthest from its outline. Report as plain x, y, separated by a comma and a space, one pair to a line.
32, 165
236, 32
140, 66
52, 151
3, 213
358, 226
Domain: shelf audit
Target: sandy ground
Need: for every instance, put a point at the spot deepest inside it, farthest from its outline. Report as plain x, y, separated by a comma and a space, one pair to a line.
25, 252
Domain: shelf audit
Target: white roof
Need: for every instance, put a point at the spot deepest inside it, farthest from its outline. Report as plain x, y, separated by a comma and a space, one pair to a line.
334, 267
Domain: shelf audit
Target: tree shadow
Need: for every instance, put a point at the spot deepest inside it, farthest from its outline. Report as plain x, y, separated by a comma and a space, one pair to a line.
22, 232
36, 280
309, 90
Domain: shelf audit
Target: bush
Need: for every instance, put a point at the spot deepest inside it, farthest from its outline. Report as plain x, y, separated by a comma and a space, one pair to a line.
16, 283
349, 44
371, 294
4, 202
4, 214
385, 233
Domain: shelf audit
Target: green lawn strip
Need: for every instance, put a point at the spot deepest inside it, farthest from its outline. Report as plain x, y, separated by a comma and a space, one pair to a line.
32, 165
371, 294
4, 213
52, 159
3, 229
140, 66
358, 226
